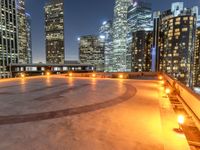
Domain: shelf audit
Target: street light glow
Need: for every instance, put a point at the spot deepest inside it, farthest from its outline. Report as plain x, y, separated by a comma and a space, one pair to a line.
48, 73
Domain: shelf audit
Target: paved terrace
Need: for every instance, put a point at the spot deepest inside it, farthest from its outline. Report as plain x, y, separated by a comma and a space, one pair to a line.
66, 113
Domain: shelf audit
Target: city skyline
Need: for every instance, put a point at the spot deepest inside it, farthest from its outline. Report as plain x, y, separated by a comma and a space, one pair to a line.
90, 22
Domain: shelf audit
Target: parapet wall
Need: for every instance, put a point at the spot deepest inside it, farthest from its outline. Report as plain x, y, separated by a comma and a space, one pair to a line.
189, 98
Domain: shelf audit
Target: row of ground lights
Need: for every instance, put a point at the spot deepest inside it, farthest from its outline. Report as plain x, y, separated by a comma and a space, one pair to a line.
180, 117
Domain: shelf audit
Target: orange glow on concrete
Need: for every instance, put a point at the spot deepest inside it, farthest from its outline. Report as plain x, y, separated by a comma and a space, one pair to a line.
181, 119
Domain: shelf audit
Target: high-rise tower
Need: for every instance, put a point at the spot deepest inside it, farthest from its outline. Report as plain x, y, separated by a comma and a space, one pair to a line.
120, 29
54, 28
8, 36
22, 32
107, 34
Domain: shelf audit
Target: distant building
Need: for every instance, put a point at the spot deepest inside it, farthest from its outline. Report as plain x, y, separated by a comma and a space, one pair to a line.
29, 43
120, 30
141, 51
196, 68
177, 42
22, 32
92, 51
139, 19
106, 32
54, 29
155, 45
8, 39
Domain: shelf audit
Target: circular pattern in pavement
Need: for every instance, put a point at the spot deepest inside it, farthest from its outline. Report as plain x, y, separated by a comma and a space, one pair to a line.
15, 119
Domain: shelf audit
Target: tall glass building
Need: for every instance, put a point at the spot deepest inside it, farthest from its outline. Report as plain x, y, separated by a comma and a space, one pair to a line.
91, 50
196, 68
8, 36
107, 34
120, 30
29, 43
141, 51
177, 42
139, 19
54, 28
22, 32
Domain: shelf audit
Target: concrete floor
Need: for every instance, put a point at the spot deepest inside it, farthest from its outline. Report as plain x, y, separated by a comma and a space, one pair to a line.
59, 113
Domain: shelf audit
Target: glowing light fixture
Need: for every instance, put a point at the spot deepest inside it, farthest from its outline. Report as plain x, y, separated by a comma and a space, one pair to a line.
94, 75
167, 91
70, 74
181, 119
121, 76
22, 75
160, 77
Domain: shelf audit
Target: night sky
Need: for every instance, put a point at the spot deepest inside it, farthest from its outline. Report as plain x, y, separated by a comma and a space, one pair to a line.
82, 17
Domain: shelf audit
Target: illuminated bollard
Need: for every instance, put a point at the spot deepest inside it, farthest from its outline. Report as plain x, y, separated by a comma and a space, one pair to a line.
167, 91
181, 120
160, 77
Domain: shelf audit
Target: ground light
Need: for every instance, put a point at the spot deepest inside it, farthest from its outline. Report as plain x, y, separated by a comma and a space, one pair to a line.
121, 76
70, 74
167, 91
181, 120
160, 77
22, 75
94, 75
48, 73
162, 82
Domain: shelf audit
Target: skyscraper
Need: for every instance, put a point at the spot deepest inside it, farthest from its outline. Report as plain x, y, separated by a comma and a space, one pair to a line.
22, 32
8, 36
106, 32
54, 28
91, 50
177, 42
29, 42
139, 19
141, 51
120, 30
196, 68
155, 44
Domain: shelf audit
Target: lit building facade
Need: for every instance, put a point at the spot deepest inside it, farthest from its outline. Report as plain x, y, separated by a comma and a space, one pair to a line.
120, 30
8, 36
177, 42
54, 28
106, 32
196, 77
22, 32
141, 51
139, 19
91, 50
29, 43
